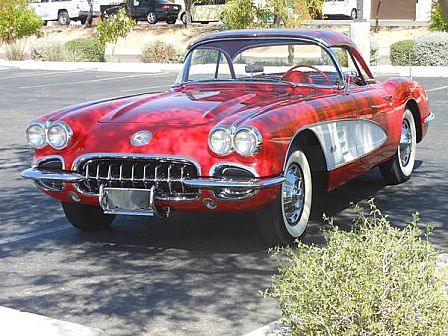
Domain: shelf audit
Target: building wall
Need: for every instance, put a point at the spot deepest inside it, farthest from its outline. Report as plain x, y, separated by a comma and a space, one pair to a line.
418, 10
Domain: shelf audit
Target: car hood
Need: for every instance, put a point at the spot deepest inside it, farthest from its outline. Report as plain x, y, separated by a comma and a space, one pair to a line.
192, 107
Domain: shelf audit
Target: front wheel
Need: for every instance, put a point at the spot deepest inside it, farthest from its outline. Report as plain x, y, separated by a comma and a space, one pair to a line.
354, 14
151, 18
87, 217
398, 169
171, 21
286, 219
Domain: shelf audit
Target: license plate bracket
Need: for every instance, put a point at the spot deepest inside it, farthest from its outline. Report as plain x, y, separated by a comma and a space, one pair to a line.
127, 201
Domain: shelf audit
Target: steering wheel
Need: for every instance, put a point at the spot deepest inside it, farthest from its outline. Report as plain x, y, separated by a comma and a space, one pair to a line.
311, 67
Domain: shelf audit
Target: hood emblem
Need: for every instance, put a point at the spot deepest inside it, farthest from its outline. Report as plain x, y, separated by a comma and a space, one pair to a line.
141, 138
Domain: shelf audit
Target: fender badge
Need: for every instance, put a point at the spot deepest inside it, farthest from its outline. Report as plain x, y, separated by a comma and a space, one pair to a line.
141, 138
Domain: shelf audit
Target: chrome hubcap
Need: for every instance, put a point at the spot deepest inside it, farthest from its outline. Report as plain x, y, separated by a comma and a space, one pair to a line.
405, 143
293, 194
151, 17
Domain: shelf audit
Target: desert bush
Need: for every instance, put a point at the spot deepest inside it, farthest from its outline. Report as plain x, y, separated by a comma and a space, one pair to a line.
401, 52
46, 50
161, 52
88, 50
373, 280
431, 49
437, 21
374, 52
15, 51
238, 14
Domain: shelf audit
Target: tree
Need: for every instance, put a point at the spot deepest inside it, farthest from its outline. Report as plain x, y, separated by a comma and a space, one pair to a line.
90, 14
188, 5
116, 26
17, 22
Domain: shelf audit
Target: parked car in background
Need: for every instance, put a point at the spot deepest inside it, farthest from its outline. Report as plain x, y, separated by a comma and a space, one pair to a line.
151, 11
203, 11
340, 7
64, 11
258, 120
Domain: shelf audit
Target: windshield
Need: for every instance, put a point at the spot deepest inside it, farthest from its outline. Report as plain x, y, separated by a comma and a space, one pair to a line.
287, 62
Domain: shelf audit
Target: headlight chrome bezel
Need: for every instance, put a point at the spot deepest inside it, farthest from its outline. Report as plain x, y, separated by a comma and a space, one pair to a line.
43, 126
68, 134
232, 131
223, 129
253, 132
46, 126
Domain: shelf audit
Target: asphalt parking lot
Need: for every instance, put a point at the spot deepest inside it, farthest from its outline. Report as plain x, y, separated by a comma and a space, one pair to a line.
193, 274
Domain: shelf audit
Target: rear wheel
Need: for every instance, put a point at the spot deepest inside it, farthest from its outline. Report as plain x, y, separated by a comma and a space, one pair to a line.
399, 168
171, 21
354, 14
63, 18
287, 218
87, 217
183, 18
151, 18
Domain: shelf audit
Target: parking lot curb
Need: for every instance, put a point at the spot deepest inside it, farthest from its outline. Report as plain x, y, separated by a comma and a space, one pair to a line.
378, 70
16, 323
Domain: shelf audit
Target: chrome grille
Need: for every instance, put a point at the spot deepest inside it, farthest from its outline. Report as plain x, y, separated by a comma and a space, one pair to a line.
166, 174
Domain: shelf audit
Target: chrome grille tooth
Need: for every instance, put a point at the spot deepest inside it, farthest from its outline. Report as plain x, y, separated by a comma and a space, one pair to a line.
109, 175
88, 176
169, 179
132, 174
182, 170
121, 175
156, 181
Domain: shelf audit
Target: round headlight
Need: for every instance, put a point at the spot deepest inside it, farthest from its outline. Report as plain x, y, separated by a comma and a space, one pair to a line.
59, 135
35, 136
246, 141
220, 141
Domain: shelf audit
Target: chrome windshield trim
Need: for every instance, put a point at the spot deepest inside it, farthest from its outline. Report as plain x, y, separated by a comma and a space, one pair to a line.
430, 118
211, 183
85, 157
41, 174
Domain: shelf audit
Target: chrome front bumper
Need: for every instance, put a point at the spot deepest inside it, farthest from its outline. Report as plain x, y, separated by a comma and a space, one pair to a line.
199, 183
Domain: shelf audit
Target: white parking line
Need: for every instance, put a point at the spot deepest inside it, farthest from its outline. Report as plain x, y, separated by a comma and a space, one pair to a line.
276, 328
147, 88
17, 323
92, 80
437, 88
53, 73
32, 235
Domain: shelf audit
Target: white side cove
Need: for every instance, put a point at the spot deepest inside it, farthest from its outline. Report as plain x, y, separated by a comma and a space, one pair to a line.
344, 141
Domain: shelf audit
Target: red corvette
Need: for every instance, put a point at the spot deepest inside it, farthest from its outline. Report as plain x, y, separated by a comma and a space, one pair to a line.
258, 120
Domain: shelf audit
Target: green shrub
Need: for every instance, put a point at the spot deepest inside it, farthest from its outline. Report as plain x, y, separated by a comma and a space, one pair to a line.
431, 49
238, 14
401, 52
374, 52
374, 280
161, 52
437, 21
88, 50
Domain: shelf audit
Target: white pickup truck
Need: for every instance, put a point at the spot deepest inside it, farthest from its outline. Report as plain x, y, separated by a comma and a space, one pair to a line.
64, 11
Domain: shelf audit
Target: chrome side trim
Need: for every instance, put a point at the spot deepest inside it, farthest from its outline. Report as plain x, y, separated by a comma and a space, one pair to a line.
40, 174
339, 148
124, 156
216, 166
211, 183
429, 118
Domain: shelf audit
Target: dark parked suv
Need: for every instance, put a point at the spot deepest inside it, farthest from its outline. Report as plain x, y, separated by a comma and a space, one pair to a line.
149, 10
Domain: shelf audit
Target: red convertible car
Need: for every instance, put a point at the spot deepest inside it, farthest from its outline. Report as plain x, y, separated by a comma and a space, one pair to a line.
258, 120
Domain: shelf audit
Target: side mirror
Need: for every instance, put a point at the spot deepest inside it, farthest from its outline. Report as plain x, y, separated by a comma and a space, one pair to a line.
254, 68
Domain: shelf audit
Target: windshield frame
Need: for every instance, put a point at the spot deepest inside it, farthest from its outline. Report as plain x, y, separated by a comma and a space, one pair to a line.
184, 73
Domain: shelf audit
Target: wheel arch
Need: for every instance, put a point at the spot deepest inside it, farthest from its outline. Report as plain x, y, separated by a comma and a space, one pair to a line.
62, 10
308, 142
412, 105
